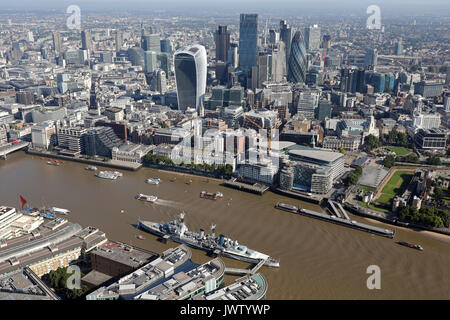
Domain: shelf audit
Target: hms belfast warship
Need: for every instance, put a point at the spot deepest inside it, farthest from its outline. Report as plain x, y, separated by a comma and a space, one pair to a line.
177, 231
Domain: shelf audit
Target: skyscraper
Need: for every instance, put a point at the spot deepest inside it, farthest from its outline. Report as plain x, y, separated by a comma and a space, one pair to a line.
312, 38
137, 56
399, 48
150, 61
222, 43
57, 45
233, 56
248, 40
190, 77
118, 40
160, 81
297, 59
327, 41
151, 42
371, 58
286, 37
86, 40
274, 36
166, 46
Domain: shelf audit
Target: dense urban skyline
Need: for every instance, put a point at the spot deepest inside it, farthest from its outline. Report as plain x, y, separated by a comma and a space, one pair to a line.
239, 150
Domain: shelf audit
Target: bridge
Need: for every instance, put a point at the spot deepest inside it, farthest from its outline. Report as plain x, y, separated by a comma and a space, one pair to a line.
336, 210
246, 271
9, 148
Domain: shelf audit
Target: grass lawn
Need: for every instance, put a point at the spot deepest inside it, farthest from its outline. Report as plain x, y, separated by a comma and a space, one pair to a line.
395, 186
367, 188
373, 207
399, 151
447, 200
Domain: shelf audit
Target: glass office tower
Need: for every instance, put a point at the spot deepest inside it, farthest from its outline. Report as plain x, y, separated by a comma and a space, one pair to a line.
190, 77
297, 59
248, 39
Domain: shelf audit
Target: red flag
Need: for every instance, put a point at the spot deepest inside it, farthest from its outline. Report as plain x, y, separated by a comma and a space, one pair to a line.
22, 200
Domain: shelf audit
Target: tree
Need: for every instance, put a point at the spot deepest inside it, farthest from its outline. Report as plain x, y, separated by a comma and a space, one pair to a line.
351, 179
371, 142
389, 161
412, 157
434, 160
437, 194
342, 150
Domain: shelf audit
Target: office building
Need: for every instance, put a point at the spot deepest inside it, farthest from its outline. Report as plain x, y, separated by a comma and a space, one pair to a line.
151, 42
323, 110
312, 38
307, 103
431, 139
297, 60
71, 138
371, 58
86, 40
150, 59
166, 46
428, 89
136, 56
57, 44
248, 39
118, 40
426, 121
233, 55
100, 141
286, 38
335, 160
190, 76
42, 134
222, 43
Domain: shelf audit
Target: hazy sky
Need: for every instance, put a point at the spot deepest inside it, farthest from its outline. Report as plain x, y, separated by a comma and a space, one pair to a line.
419, 6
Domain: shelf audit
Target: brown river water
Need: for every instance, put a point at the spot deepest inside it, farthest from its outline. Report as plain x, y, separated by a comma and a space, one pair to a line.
318, 260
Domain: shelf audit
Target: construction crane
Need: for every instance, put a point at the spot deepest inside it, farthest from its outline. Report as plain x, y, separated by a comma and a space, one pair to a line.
269, 131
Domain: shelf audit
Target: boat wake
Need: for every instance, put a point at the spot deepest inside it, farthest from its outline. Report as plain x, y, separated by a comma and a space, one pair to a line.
168, 203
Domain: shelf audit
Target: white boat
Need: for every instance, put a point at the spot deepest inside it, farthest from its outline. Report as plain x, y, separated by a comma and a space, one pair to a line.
59, 210
152, 181
144, 197
91, 168
108, 175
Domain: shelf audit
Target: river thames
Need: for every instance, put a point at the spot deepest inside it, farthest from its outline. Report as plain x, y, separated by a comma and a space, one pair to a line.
318, 260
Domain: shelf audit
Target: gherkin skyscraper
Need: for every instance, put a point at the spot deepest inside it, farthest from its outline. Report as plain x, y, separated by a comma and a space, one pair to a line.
297, 59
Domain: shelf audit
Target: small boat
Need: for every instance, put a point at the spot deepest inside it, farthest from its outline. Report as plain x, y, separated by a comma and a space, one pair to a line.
219, 194
91, 168
212, 196
144, 197
60, 210
189, 182
173, 179
140, 237
53, 163
152, 181
409, 245
117, 173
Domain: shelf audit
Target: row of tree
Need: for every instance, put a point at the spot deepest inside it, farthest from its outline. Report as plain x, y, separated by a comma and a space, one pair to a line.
396, 138
427, 216
226, 169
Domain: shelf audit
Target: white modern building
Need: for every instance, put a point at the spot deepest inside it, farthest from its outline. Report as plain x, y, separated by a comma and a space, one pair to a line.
42, 133
427, 121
